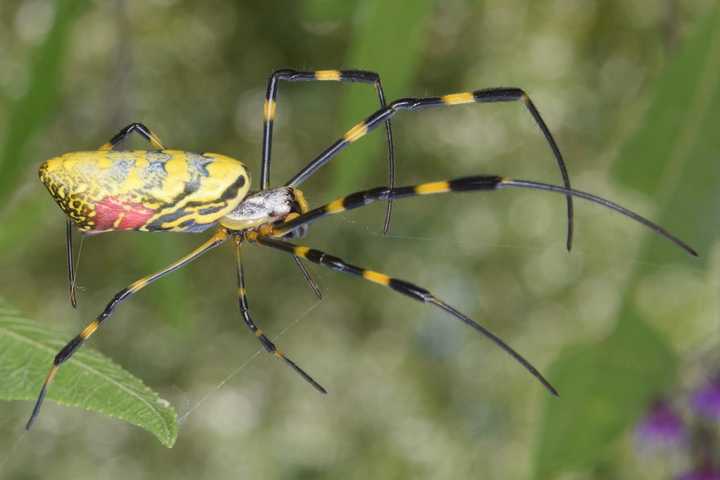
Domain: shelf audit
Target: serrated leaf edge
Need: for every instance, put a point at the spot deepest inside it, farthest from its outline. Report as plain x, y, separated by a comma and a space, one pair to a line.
167, 428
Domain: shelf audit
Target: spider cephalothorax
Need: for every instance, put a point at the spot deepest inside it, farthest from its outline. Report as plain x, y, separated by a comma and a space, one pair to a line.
270, 206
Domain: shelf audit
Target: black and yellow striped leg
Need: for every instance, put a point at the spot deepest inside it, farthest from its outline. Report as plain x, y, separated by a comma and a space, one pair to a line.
267, 344
414, 104
67, 351
401, 286
491, 95
350, 76
270, 111
464, 184
70, 263
138, 128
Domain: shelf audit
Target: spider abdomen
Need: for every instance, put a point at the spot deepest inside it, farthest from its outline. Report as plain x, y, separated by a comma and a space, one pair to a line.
168, 190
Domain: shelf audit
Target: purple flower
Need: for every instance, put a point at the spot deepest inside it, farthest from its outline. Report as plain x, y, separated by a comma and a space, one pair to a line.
662, 427
703, 473
706, 400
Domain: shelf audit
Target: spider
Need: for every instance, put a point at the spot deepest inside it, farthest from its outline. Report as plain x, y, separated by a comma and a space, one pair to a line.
167, 190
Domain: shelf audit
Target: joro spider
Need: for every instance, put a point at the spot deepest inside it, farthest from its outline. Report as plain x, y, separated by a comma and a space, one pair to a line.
163, 190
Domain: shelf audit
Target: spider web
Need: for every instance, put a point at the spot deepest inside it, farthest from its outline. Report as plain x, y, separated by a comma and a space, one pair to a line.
248, 361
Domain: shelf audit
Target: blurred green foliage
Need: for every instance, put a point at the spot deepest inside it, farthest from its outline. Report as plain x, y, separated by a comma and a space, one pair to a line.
664, 156
89, 381
30, 113
411, 394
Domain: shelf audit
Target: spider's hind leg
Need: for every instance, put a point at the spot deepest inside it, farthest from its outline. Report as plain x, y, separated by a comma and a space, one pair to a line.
71, 347
72, 276
138, 128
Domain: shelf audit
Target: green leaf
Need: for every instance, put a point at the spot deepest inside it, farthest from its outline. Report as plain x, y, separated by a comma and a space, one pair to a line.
88, 380
6, 308
30, 112
673, 157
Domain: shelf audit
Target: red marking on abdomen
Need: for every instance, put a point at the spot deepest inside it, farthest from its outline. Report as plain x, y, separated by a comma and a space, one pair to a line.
132, 215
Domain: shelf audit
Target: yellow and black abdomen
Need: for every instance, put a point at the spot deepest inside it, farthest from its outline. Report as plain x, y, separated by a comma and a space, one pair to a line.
168, 190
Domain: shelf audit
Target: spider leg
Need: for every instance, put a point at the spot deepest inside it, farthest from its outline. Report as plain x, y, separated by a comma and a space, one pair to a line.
270, 110
138, 128
463, 184
70, 263
350, 76
401, 286
141, 130
264, 340
303, 207
413, 104
308, 277
67, 351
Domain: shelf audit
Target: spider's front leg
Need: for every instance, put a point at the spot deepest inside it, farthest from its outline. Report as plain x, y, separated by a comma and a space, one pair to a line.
344, 76
270, 111
489, 95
